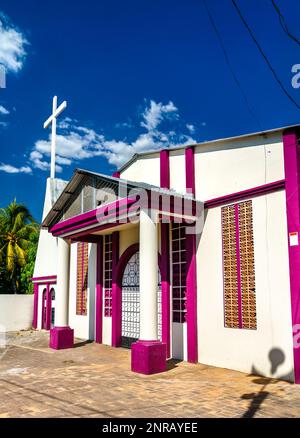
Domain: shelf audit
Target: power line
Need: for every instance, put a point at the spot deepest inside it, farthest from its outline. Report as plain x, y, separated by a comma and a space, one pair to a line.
236, 80
283, 23
289, 96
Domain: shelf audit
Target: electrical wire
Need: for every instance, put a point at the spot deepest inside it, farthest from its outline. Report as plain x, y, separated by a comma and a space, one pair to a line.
235, 78
283, 23
288, 95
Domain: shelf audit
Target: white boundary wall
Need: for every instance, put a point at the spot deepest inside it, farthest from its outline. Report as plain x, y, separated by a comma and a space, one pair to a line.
16, 312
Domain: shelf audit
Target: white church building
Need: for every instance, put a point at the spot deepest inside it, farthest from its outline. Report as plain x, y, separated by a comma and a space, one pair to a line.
189, 253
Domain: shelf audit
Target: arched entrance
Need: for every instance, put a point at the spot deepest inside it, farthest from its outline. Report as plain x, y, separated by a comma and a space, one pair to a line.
44, 309
52, 294
131, 302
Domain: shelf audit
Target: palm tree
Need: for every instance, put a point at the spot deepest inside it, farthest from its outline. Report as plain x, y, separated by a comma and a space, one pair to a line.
16, 226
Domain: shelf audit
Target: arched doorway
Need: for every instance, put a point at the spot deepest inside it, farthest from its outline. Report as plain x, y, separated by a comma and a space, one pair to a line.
52, 295
44, 309
131, 302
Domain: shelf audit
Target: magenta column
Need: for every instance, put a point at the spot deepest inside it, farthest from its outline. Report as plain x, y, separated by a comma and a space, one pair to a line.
99, 291
35, 305
191, 266
164, 169
165, 285
292, 185
116, 296
165, 255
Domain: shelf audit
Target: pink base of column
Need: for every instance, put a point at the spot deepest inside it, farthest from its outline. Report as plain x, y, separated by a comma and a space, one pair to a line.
61, 338
148, 357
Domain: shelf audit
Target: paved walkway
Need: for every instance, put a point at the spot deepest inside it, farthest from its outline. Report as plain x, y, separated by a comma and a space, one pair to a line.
95, 381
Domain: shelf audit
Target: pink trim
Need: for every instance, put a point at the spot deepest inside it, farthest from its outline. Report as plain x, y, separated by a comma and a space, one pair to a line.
165, 285
99, 291
115, 292
82, 276
48, 308
191, 298
61, 338
191, 266
292, 175
190, 170
45, 279
148, 357
44, 308
238, 264
91, 217
35, 305
249, 193
116, 174
164, 169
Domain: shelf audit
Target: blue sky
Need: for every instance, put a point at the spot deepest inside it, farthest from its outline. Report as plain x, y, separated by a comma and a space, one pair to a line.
137, 75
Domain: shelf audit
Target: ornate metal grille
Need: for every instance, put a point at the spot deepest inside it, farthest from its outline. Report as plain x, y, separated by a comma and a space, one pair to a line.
82, 278
231, 311
131, 302
247, 265
238, 266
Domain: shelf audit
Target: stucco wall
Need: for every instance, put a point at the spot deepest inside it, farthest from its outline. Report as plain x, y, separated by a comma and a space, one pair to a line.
83, 325
16, 312
247, 350
145, 169
238, 165
220, 168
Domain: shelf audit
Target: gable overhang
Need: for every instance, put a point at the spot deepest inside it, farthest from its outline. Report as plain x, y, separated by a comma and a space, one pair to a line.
126, 211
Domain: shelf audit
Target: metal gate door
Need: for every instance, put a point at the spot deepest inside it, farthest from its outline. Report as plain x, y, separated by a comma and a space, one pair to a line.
131, 302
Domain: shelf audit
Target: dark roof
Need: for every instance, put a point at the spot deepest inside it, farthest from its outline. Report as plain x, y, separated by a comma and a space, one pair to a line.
78, 179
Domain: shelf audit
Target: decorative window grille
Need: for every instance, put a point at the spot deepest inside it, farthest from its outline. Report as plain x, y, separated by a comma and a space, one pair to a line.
108, 275
238, 266
131, 302
82, 278
178, 272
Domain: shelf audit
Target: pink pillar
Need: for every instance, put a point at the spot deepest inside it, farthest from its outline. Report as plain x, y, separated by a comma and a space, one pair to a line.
165, 285
292, 187
99, 291
165, 255
164, 169
116, 298
35, 305
191, 266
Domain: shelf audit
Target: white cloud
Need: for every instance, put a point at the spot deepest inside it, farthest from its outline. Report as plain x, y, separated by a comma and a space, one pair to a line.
155, 114
190, 127
3, 110
76, 142
7, 168
12, 46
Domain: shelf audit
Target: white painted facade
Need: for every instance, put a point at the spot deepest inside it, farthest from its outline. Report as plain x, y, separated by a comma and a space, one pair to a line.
221, 168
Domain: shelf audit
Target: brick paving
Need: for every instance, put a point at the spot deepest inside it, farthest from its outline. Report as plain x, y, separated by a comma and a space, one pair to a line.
95, 381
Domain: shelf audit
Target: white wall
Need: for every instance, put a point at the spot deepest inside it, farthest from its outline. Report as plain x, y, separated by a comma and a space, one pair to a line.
16, 312
145, 169
237, 165
83, 325
247, 350
177, 170
46, 259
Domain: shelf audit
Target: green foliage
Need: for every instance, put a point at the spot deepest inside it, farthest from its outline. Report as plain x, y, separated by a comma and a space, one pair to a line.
27, 270
18, 245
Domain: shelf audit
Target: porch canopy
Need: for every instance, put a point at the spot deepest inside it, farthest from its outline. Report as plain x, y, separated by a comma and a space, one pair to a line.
93, 203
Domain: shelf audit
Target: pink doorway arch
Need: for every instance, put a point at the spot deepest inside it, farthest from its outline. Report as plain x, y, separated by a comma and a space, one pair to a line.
117, 297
